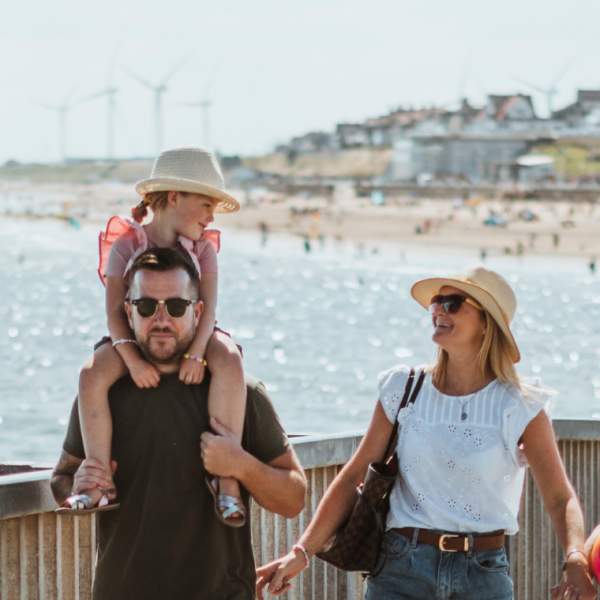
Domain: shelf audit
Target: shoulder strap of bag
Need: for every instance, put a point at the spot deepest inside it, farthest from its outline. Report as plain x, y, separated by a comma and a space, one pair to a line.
417, 389
407, 399
403, 402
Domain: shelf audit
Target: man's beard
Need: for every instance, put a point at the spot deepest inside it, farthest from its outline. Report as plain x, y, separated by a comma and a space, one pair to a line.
172, 355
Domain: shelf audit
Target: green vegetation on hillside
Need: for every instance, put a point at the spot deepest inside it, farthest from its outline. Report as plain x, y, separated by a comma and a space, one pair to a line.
573, 158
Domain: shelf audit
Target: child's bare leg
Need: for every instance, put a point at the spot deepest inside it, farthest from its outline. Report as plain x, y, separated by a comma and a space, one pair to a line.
227, 394
95, 379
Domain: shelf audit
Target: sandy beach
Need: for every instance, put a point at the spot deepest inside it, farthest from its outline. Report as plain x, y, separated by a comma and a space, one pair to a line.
557, 228
514, 227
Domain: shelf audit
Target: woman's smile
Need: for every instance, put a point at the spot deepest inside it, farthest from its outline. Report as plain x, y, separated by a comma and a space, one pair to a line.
442, 326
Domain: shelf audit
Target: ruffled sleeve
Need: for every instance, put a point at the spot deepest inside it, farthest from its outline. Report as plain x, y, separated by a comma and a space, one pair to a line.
391, 384
120, 240
203, 252
206, 250
213, 236
525, 405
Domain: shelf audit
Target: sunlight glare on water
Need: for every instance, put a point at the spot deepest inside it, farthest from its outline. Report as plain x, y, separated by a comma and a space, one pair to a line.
317, 328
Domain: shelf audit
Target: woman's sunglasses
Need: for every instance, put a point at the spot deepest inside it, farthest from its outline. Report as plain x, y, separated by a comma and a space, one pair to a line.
451, 303
147, 307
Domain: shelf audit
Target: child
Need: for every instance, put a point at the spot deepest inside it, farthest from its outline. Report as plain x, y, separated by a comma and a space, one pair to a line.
184, 191
592, 551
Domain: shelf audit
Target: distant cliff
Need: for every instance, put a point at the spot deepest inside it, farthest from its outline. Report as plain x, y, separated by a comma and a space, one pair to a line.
359, 162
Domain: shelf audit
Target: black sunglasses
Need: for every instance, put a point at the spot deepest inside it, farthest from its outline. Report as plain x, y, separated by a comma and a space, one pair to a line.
147, 307
451, 303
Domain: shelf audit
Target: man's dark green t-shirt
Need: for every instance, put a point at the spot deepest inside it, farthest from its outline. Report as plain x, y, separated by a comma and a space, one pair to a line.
166, 541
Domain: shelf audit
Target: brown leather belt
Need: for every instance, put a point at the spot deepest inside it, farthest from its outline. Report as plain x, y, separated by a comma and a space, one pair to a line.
456, 542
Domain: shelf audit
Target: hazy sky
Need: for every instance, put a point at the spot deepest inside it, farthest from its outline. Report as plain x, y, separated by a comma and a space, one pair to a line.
275, 68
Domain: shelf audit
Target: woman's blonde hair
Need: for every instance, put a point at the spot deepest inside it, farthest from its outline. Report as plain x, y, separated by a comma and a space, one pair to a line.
494, 358
154, 200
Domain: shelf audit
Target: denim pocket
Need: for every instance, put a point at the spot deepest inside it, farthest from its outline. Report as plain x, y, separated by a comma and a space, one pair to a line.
491, 561
395, 545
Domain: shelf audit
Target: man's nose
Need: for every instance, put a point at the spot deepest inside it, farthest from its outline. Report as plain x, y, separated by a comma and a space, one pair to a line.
211, 216
161, 314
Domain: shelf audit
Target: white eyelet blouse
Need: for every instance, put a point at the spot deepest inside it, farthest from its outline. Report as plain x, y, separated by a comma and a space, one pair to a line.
460, 465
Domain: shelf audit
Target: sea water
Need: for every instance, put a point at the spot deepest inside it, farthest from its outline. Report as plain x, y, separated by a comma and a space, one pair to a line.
317, 325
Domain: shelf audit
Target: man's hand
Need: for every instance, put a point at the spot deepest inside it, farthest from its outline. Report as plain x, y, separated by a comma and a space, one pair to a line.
143, 373
221, 453
92, 474
191, 371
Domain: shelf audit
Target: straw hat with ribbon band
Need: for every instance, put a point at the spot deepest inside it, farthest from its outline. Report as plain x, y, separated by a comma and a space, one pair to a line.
192, 170
487, 287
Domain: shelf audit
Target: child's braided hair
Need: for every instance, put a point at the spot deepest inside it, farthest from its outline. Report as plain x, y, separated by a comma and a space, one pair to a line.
154, 200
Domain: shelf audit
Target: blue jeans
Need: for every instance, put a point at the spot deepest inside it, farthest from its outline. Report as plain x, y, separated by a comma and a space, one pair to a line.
422, 572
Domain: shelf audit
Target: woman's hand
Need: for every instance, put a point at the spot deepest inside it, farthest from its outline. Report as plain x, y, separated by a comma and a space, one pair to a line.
277, 574
576, 584
143, 373
191, 371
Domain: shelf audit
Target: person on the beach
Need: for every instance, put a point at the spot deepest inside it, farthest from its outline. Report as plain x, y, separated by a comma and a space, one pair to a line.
592, 265
166, 541
184, 191
462, 450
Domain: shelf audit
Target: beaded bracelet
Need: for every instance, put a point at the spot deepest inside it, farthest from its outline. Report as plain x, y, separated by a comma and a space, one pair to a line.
195, 357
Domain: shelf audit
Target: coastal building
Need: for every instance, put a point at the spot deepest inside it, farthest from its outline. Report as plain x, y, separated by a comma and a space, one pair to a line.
352, 135
383, 130
468, 143
585, 111
514, 108
313, 141
468, 157
474, 144
464, 117
531, 169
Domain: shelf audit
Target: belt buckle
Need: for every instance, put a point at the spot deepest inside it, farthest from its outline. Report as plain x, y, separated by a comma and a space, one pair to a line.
445, 536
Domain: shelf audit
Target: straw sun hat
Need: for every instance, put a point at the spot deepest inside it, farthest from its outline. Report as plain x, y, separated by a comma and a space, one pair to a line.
487, 287
192, 170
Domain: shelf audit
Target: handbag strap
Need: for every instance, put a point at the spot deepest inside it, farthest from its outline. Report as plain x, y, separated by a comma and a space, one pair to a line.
407, 399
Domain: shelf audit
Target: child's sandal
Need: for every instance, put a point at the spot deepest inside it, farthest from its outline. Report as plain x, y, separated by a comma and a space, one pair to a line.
80, 504
227, 506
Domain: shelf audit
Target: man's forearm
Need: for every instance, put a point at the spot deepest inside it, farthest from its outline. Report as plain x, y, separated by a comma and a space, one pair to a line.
61, 482
61, 485
277, 488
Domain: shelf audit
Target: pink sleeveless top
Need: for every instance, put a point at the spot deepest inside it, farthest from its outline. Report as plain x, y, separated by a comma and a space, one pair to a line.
125, 239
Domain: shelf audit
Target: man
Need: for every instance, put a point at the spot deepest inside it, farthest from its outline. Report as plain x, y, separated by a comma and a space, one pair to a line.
165, 541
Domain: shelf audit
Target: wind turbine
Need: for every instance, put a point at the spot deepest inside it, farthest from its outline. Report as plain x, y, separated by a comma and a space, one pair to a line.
204, 103
62, 110
110, 93
551, 89
158, 89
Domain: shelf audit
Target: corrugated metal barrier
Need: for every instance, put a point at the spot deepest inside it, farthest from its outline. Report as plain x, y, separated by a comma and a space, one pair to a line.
48, 557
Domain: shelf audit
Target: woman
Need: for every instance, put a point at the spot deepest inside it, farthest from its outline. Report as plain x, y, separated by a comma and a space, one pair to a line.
462, 451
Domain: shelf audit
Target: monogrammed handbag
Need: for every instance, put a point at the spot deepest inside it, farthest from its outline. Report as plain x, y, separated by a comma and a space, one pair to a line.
357, 543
